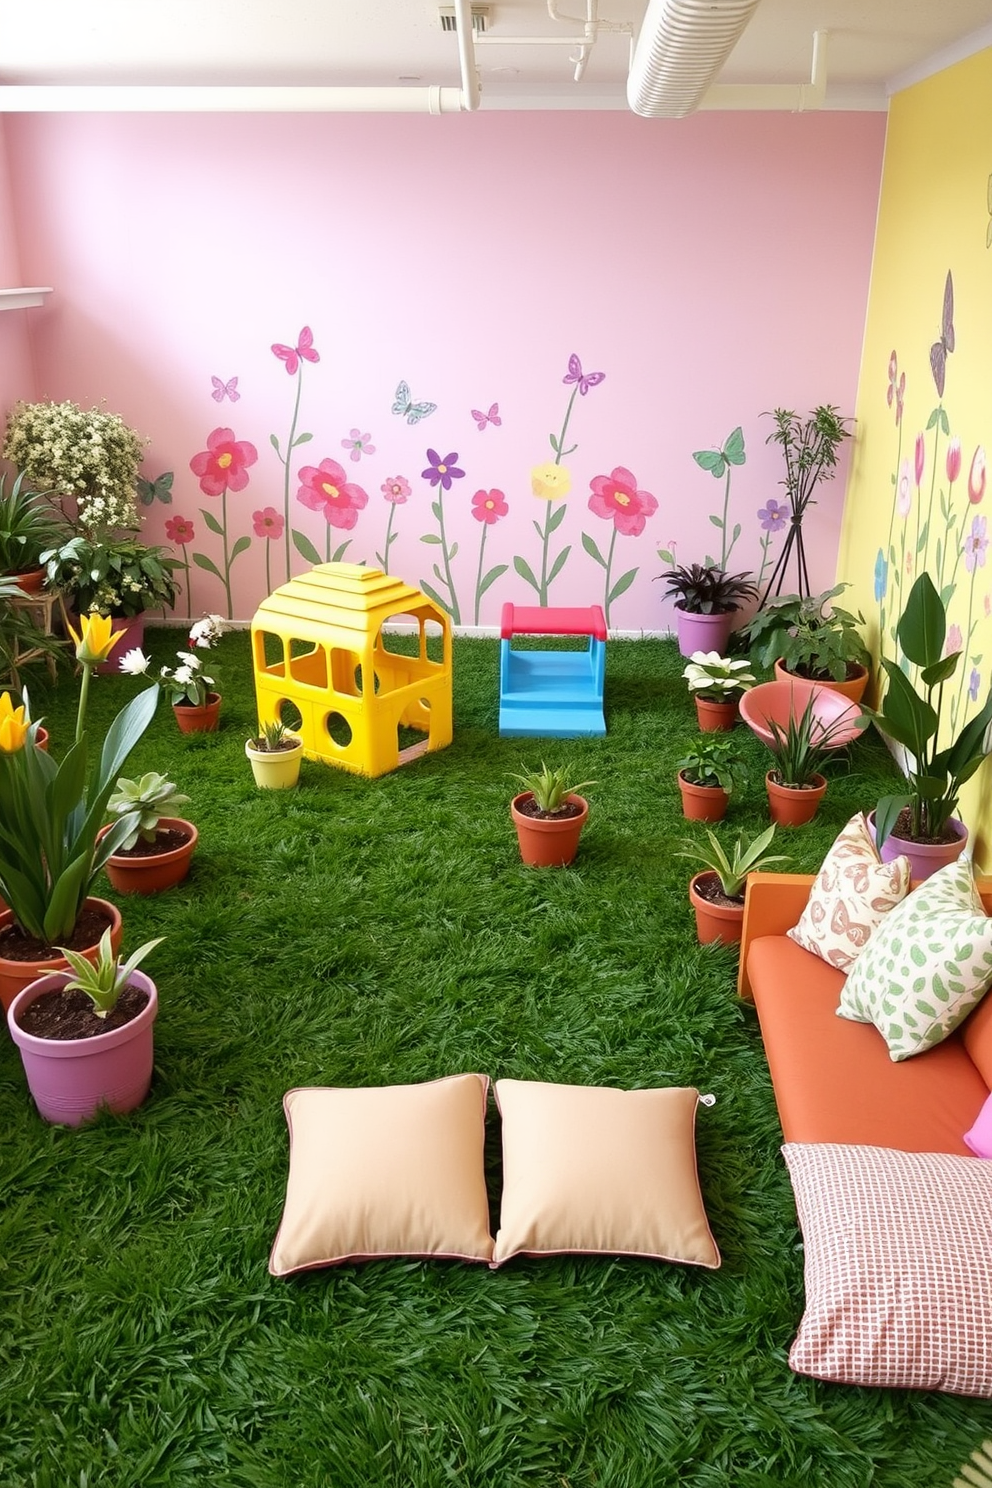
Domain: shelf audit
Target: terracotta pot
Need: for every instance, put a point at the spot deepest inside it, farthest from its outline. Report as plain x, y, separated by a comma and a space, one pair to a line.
150, 874
703, 632
195, 720
548, 843
792, 806
702, 802
31, 582
924, 857
853, 688
715, 718
714, 922
71, 1079
41, 738
275, 769
16, 975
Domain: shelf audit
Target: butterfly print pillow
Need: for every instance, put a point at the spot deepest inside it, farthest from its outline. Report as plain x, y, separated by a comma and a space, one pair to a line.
852, 894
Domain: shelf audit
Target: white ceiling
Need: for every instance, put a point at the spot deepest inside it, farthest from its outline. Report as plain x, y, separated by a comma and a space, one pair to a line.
872, 45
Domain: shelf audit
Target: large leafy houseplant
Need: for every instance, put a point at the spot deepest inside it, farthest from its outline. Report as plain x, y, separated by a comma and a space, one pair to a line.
912, 715
808, 638
50, 814
714, 760
116, 575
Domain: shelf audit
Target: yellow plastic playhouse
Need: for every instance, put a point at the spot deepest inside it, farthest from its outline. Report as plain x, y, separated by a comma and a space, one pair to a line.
368, 701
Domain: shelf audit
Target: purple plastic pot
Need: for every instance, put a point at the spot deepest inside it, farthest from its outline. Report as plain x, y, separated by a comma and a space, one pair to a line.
924, 857
703, 632
71, 1079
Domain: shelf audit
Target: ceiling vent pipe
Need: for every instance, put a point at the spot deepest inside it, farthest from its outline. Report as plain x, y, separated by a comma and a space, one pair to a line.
681, 48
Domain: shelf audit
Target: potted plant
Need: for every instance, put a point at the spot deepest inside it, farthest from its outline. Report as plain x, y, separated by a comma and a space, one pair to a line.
28, 525
810, 448
549, 815
920, 821
86, 1035
195, 704
801, 637
275, 756
116, 576
717, 684
709, 773
706, 600
51, 849
156, 854
800, 748
717, 893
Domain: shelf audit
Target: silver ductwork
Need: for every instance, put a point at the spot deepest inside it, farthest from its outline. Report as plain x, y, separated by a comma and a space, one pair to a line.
681, 48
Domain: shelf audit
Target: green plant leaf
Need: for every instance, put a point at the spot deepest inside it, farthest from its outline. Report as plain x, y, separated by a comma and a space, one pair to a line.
211, 522
923, 626
590, 546
305, 547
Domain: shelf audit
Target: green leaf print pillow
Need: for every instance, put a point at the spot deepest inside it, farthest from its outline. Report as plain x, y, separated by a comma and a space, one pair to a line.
926, 966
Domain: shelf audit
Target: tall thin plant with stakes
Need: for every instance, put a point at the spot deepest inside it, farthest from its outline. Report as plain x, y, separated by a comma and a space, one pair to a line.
810, 448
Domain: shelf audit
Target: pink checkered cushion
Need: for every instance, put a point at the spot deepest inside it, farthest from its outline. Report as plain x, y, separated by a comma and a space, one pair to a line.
898, 1267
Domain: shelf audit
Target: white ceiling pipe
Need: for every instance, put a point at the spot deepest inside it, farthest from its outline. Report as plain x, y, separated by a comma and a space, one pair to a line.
796, 98
680, 50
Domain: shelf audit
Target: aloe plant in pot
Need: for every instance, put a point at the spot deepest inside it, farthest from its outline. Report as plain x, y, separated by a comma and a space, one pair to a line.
549, 815
801, 747
717, 893
275, 756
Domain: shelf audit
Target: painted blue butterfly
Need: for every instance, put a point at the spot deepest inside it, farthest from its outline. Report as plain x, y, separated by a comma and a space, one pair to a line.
405, 407
940, 350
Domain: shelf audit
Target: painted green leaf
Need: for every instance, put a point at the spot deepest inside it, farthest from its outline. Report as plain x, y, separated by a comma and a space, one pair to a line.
539, 530
202, 561
559, 563
302, 439
666, 555
212, 522
241, 546
557, 517
717, 521
523, 569
431, 537
590, 546
453, 551
622, 584
433, 594
436, 509
338, 555
492, 576
305, 547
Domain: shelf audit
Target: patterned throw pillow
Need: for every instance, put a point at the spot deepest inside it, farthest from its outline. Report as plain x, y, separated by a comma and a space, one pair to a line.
898, 1267
852, 892
926, 966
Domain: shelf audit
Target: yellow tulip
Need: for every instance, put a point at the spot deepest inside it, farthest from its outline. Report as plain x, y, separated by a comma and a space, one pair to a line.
95, 639
13, 725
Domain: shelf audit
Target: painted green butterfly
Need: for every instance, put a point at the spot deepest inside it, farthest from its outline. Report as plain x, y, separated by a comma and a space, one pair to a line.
413, 412
716, 461
156, 490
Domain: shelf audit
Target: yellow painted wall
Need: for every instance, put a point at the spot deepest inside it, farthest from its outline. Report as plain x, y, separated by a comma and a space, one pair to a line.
918, 497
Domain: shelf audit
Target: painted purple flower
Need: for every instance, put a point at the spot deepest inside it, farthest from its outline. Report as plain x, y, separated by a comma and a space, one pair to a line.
442, 472
974, 684
774, 516
358, 444
975, 544
904, 493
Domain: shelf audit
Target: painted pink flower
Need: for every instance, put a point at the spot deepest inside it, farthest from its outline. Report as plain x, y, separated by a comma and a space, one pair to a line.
616, 499
975, 544
358, 444
489, 506
953, 459
954, 640
325, 489
268, 523
904, 494
223, 465
976, 476
395, 489
179, 530
920, 456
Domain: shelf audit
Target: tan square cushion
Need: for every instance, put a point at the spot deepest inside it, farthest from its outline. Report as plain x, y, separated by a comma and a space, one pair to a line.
898, 1267
385, 1171
854, 889
602, 1171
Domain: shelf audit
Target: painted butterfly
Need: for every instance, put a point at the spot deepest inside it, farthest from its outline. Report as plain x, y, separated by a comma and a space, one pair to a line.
291, 354
584, 380
492, 417
940, 350
413, 412
224, 390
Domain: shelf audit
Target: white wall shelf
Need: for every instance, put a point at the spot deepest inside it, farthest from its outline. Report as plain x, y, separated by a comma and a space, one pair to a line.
21, 299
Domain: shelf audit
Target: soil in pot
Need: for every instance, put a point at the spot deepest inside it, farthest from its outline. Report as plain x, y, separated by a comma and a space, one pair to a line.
71, 1015
564, 812
167, 839
903, 829
15, 945
710, 890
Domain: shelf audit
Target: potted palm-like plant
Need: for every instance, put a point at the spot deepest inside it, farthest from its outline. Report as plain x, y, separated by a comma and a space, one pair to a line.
549, 815
812, 638
275, 755
800, 748
86, 1035
920, 821
706, 601
708, 774
717, 684
717, 892
28, 525
157, 853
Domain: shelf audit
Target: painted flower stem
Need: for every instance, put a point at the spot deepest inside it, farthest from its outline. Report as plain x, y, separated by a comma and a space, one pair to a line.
287, 462
609, 567
478, 577
456, 618
390, 537
227, 558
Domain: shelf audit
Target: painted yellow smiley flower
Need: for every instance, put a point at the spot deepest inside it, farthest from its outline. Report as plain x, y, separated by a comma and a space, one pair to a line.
14, 725
95, 639
550, 481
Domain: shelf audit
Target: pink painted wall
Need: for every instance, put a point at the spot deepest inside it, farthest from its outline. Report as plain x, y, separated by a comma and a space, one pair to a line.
16, 373
710, 269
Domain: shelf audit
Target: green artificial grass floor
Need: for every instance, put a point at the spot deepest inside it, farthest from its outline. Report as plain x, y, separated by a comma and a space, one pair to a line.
368, 932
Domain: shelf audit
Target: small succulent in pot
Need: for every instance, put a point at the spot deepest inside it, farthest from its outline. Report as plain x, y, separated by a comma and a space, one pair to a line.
748, 856
551, 789
152, 796
714, 760
275, 738
717, 679
104, 980
704, 589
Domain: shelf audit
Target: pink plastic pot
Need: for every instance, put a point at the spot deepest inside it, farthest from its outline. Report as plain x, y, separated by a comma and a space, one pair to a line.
837, 721
924, 857
703, 632
70, 1080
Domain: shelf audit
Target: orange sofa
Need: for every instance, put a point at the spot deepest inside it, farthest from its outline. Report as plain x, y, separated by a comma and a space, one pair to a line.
833, 1079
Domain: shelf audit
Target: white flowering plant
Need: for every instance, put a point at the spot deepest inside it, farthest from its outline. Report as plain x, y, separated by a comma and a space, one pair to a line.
716, 678
187, 682
87, 454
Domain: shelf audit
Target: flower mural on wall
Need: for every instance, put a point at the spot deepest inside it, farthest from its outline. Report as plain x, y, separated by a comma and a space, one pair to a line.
552, 482
488, 507
268, 524
179, 530
223, 466
441, 472
720, 464
325, 488
395, 489
617, 499
358, 444
293, 359
772, 517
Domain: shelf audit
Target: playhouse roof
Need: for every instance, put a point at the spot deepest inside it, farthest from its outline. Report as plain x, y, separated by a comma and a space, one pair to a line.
348, 596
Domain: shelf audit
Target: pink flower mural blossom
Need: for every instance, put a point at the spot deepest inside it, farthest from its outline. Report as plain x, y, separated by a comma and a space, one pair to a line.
223, 465
268, 523
326, 489
904, 494
489, 506
395, 489
976, 476
953, 459
920, 455
358, 444
179, 530
616, 499
954, 640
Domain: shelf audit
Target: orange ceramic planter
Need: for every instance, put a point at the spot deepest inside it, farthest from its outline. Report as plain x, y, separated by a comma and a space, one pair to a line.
548, 843
156, 871
15, 975
715, 718
853, 689
792, 807
706, 803
722, 923
196, 720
